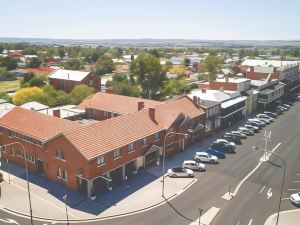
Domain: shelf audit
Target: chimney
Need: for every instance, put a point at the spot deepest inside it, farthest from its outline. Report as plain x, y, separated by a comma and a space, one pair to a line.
152, 113
195, 99
203, 90
141, 105
56, 113
226, 79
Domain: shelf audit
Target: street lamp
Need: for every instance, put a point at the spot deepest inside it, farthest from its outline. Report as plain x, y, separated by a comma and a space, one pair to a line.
283, 177
267, 137
164, 157
200, 212
65, 198
26, 168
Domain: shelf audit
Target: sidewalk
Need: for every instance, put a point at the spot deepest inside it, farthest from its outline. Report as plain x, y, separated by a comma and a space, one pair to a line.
291, 217
141, 192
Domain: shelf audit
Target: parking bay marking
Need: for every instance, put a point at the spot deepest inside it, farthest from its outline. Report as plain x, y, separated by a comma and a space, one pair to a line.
269, 194
250, 222
262, 189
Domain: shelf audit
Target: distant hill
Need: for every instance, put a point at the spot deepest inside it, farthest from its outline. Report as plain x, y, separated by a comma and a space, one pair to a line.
154, 43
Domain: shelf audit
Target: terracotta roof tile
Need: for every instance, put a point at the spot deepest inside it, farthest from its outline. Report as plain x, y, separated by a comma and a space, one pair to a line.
104, 136
42, 70
116, 103
35, 124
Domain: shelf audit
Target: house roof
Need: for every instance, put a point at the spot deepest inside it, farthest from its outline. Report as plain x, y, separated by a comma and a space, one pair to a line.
69, 75
35, 124
44, 70
275, 63
104, 136
211, 95
167, 113
34, 106
116, 103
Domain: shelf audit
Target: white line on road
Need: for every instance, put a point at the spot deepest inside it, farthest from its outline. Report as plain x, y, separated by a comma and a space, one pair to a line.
293, 189
284, 199
269, 193
262, 189
298, 174
250, 222
252, 171
238, 223
296, 181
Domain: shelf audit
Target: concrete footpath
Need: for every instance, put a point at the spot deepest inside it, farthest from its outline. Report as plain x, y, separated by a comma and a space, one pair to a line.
291, 217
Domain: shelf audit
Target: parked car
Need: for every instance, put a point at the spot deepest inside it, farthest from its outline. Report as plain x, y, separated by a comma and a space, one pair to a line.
271, 114
238, 134
286, 105
259, 125
219, 154
281, 107
225, 141
180, 172
222, 147
264, 116
279, 111
295, 198
266, 121
193, 165
233, 139
253, 128
205, 157
245, 131
257, 121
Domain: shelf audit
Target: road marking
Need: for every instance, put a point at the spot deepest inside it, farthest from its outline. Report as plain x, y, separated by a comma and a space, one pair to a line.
262, 189
238, 223
250, 222
251, 172
269, 193
9, 221
284, 199
293, 189
296, 181
298, 174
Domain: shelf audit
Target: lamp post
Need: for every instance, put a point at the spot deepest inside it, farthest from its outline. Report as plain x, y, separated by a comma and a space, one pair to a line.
267, 137
65, 198
26, 169
164, 157
200, 212
283, 177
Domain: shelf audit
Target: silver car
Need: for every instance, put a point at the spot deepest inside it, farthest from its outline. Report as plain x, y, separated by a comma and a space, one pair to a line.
180, 172
193, 165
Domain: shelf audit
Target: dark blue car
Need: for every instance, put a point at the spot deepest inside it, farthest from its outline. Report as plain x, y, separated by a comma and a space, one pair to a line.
212, 151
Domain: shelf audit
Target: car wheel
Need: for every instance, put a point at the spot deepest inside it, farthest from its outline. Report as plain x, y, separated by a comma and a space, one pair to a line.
174, 175
198, 160
191, 175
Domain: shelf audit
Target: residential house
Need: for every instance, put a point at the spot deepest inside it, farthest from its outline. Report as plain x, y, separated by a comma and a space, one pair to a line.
66, 80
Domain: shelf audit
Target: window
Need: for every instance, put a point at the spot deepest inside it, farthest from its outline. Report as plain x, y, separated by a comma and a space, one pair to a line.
12, 152
65, 175
100, 160
38, 143
156, 136
11, 133
60, 154
144, 141
58, 172
117, 153
170, 146
131, 147
1, 130
20, 154
29, 158
91, 82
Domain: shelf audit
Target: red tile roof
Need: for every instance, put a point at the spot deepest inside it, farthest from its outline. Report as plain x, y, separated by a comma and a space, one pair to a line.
167, 113
42, 70
116, 103
35, 124
104, 136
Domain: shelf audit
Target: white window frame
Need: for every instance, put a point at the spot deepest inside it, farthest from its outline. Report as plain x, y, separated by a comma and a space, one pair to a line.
101, 160
117, 153
131, 147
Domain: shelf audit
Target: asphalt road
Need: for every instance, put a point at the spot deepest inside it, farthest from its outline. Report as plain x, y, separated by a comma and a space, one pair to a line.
255, 201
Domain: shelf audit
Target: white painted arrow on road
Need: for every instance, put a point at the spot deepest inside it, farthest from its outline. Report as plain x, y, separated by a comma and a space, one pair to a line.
9, 221
269, 193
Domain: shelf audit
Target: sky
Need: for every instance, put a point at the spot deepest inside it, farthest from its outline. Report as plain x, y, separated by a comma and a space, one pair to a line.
157, 19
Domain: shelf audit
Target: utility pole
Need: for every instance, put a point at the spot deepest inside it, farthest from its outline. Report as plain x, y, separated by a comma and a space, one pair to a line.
267, 137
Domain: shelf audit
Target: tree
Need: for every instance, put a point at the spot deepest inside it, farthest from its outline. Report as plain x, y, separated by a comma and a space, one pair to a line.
210, 65
187, 62
125, 88
27, 77
149, 74
175, 87
74, 64
35, 62
61, 52
104, 65
154, 52
30, 94
38, 81
79, 93
4, 95
9, 63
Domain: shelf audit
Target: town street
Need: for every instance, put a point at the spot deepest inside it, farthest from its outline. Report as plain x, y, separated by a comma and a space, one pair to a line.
254, 202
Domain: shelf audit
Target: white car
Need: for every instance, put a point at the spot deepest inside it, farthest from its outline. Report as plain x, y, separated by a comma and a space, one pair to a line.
226, 142
193, 165
264, 116
295, 198
180, 172
205, 157
246, 131
257, 121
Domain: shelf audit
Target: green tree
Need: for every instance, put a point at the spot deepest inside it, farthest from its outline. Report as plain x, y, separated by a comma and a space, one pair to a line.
126, 88
74, 64
9, 63
79, 93
104, 65
30, 94
187, 62
61, 52
210, 64
4, 95
35, 62
38, 81
175, 87
149, 74
154, 52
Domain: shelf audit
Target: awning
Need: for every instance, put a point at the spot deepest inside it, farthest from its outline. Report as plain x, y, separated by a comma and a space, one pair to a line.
153, 148
232, 102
